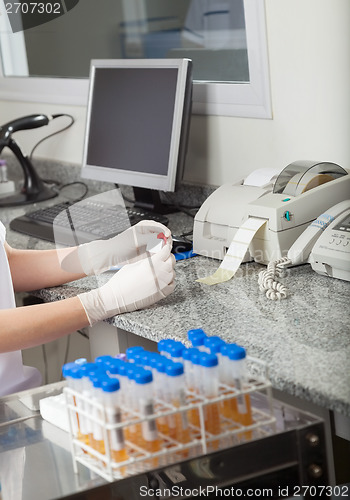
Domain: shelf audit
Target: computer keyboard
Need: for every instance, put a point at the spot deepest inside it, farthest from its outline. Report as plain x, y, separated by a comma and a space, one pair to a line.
71, 224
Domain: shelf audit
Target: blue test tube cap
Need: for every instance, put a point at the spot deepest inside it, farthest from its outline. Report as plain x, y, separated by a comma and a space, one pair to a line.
66, 368
110, 385
188, 351
195, 357
131, 370
123, 368
225, 348
131, 351
174, 369
143, 376
161, 364
164, 344
196, 332
237, 353
215, 345
175, 350
145, 358
95, 379
103, 360
89, 368
208, 360
71, 370
155, 358
113, 366
138, 358
213, 339
76, 373
198, 340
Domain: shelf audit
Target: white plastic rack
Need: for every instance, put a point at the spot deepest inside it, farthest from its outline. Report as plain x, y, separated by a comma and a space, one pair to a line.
231, 433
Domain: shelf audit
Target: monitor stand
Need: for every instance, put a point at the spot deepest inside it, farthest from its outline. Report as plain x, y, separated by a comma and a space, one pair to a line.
149, 199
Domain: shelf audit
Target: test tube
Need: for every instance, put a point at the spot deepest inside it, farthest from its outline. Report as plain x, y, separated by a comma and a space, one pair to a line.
178, 422
144, 395
214, 345
195, 385
96, 440
188, 367
111, 401
196, 337
237, 374
210, 377
132, 431
88, 369
124, 383
228, 407
197, 382
225, 362
158, 365
72, 373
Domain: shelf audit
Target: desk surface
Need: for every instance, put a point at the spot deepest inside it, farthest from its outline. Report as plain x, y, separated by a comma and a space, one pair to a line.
304, 339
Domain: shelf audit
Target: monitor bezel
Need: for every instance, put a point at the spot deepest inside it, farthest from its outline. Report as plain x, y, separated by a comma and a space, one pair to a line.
179, 134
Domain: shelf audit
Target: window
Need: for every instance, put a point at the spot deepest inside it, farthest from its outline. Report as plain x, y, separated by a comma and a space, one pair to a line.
229, 51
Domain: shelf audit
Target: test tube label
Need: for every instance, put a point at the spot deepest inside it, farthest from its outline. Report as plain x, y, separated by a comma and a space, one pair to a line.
149, 427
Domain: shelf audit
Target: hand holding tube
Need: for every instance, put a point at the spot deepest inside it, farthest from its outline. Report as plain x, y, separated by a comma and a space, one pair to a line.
128, 246
134, 287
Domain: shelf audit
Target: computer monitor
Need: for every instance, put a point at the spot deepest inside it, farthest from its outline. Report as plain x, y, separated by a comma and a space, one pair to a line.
137, 125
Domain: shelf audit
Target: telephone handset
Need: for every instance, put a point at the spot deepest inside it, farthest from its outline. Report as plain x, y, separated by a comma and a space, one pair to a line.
303, 250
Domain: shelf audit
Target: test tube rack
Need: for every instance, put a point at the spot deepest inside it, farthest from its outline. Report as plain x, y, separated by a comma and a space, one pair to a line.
232, 433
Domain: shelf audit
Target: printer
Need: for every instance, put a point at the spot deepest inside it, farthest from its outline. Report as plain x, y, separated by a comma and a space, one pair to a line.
288, 203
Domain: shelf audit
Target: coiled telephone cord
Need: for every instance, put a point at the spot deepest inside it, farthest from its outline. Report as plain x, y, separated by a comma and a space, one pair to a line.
268, 282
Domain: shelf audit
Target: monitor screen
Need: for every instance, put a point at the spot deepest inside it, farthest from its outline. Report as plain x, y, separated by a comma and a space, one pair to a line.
137, 122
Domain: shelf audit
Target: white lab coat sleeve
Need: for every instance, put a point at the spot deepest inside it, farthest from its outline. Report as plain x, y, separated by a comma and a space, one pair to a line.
13, 376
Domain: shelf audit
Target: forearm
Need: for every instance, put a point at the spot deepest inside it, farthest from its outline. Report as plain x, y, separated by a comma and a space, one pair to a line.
34, 269
29, 326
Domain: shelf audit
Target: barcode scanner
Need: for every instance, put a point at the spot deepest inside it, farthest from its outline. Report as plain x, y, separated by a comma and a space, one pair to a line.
33, 189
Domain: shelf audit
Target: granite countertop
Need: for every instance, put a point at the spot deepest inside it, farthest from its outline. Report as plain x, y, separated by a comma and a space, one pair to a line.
304, 339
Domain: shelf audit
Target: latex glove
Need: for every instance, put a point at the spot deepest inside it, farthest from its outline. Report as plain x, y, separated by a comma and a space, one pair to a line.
135, 286
128, 246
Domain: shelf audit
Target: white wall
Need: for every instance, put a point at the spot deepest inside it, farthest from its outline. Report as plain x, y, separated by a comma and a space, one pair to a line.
309, 53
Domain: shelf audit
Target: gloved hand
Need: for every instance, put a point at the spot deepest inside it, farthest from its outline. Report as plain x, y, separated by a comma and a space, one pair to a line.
129, 246
135, 286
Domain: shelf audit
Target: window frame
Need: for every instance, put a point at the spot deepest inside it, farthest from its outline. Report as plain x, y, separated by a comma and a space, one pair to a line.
249, 99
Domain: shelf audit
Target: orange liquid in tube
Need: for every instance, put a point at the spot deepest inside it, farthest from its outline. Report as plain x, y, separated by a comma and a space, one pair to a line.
158, 363
179, 429
210, 377
149, 439
116, 440
241, 410
194, 384
96, 440
76, 374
